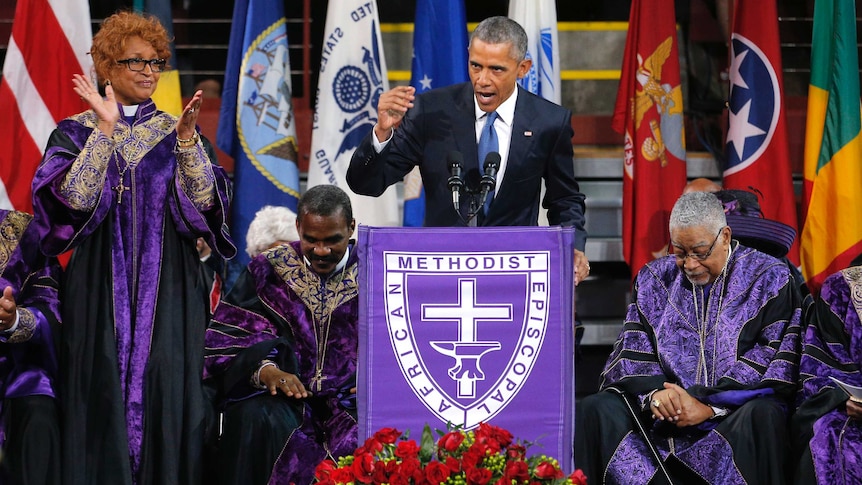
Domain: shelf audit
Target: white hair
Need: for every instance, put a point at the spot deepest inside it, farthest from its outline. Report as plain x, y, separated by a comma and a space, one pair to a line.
698, 209
270, 224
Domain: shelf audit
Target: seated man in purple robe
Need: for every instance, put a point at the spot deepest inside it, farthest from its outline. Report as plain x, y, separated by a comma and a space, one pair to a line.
282, 349
827, 426
706, 365
29, 309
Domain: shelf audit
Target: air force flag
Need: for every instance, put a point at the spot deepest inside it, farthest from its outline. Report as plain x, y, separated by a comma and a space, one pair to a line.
352, 78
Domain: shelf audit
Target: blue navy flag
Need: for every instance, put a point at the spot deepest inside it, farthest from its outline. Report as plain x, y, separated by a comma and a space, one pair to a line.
256, 123
439, 59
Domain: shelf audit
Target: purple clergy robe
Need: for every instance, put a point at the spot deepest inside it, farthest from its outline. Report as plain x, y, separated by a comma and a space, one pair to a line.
28, 363
745, 348
131, 206
832, 346
278, 309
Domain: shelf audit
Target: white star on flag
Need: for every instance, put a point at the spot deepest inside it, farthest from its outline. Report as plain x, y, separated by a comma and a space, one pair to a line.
426, 83
740, 129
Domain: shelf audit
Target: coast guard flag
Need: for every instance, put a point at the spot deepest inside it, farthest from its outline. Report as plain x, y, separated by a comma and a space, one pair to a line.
649, 114
439, 59
539, 20
757, 151
352, 78
168, 96
256, 124
50, 41
832, 232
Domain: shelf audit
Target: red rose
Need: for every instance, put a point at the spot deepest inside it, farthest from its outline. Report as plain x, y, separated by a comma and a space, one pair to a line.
450, 441
471, 458
387, 436
478, 476
382, 471
408, 466
343, 475
578, 478
418, 477
363, 467
437, 473
517, 470
516, 452
399, 479
324, 469
497, 437
547, 471
407, 449
453, 464
371, 446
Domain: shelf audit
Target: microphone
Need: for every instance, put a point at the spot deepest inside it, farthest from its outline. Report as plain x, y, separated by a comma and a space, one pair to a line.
489, 179
455, 160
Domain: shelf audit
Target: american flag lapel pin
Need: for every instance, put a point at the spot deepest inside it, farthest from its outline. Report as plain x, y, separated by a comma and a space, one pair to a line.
528, 133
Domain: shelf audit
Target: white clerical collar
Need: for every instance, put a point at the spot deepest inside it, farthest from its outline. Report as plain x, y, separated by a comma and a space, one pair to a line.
506, 110
129, 111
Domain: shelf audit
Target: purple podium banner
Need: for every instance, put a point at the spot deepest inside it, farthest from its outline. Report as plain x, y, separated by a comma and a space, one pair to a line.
466, 325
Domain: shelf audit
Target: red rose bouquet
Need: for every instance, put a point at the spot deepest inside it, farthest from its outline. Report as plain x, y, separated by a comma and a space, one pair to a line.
484, 456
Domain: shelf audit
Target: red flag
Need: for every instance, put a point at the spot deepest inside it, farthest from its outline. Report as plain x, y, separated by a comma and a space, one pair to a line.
50, 42
649, 114
756, 147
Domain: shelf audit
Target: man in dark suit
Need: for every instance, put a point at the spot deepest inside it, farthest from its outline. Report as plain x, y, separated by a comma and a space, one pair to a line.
532, 136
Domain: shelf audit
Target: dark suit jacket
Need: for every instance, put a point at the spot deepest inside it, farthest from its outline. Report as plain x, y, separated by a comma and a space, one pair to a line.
443, 120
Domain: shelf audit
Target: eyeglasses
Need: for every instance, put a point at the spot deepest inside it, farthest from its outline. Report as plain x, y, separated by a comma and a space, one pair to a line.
696, 256
136, 64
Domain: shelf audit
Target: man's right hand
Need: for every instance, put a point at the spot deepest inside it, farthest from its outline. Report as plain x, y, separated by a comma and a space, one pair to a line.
391, 108
276, 380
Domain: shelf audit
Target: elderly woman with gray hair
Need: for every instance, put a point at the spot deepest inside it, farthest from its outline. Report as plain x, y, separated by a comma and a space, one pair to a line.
272, 225
704, 370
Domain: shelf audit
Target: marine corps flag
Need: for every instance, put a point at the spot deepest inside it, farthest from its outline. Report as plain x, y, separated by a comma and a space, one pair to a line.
832, 232
757, 152
649, 114
50, 42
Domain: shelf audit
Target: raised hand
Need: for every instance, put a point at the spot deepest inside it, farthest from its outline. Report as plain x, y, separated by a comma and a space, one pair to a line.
189, 117
391, 108
106, 108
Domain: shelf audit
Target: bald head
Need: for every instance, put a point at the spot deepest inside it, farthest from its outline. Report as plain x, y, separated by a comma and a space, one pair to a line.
701, 185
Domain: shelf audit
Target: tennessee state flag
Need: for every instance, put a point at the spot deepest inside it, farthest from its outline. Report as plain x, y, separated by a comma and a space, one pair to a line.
50, 41
832, 231
649, 114
756, 146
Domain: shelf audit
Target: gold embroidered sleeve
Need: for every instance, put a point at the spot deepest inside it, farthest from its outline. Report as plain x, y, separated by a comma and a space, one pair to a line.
82, 186
26, 327
196, 176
